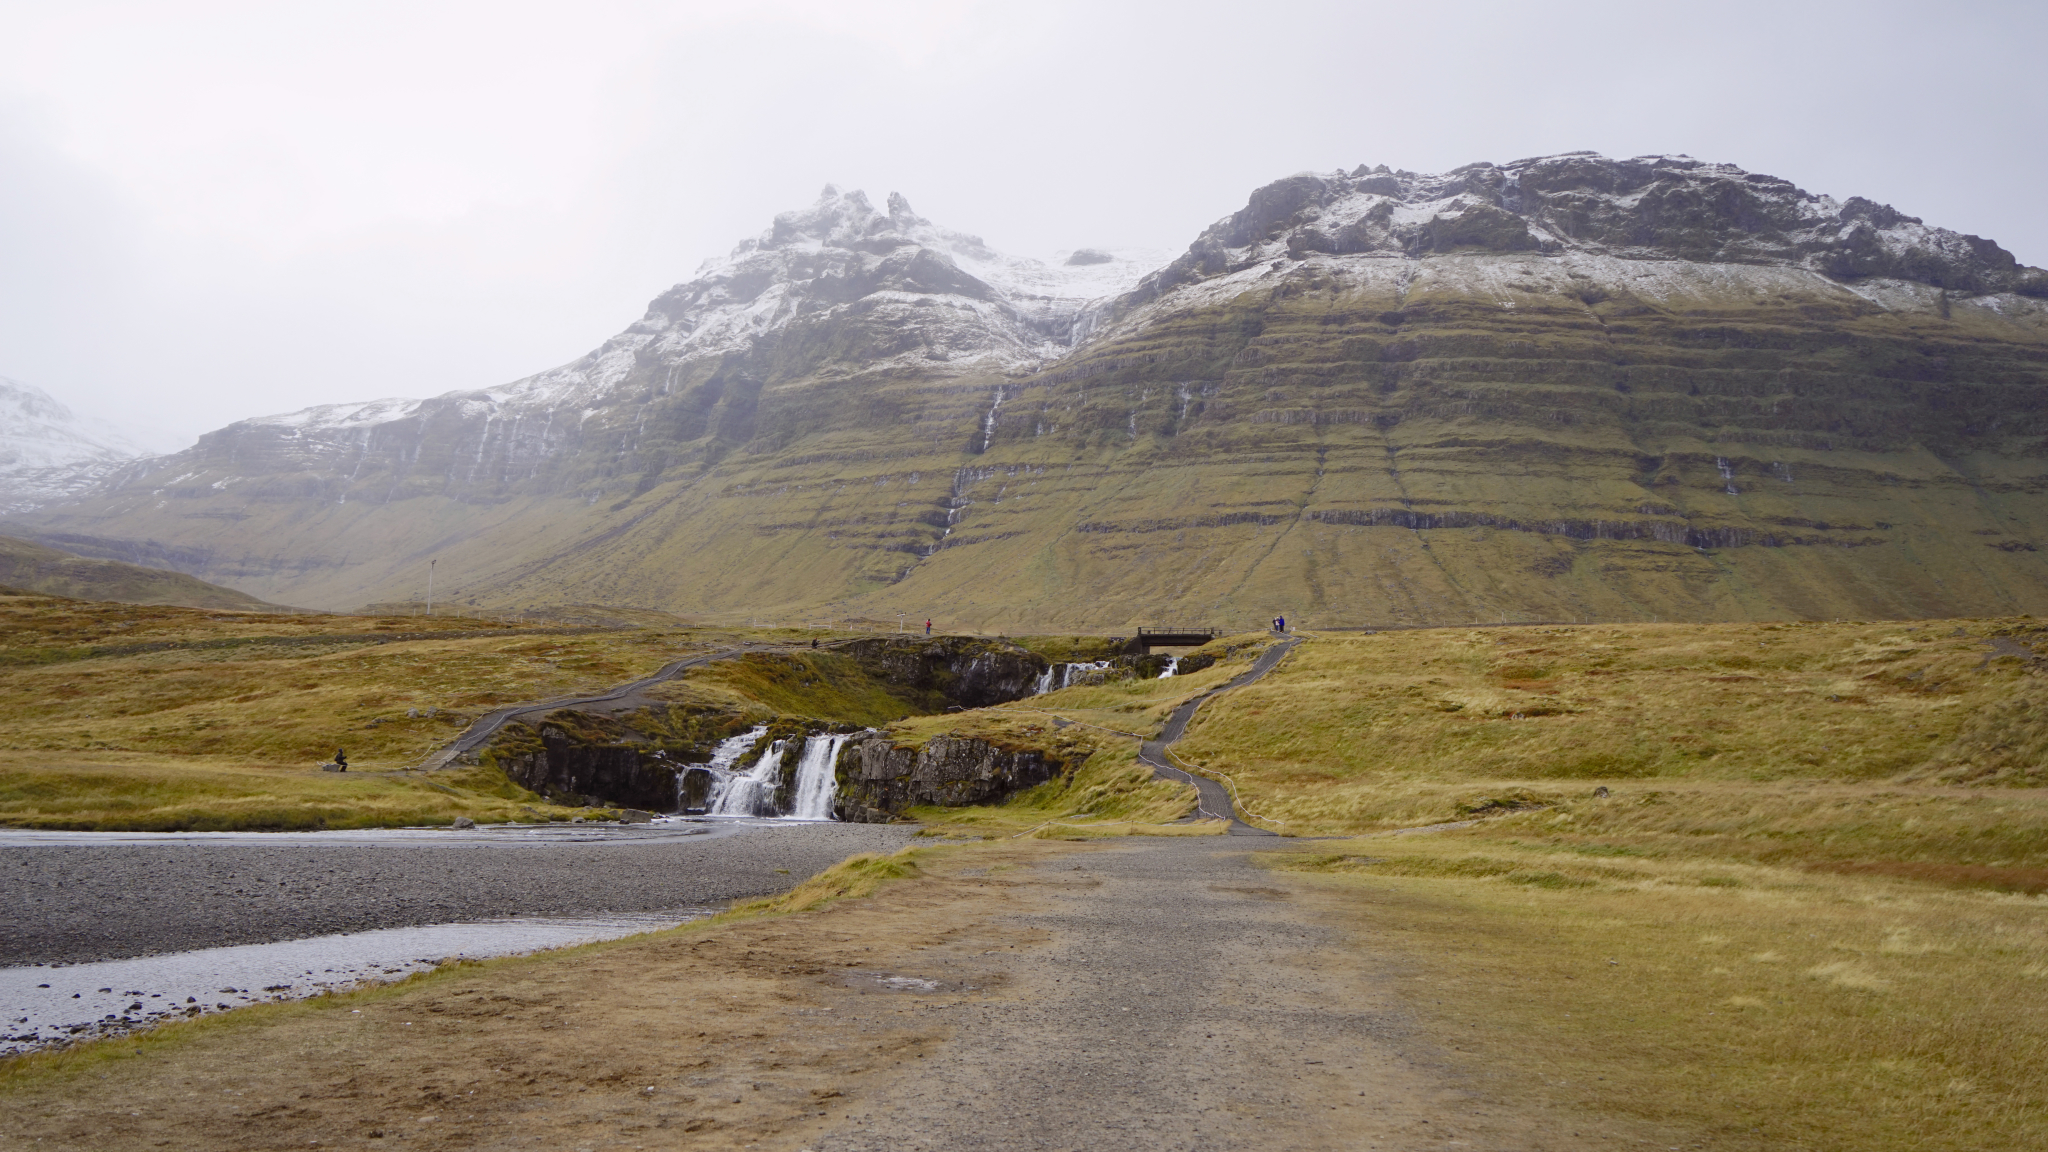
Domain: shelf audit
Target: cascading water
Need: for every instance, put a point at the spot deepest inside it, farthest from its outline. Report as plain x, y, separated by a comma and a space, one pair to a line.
816, 785
988, 422
1172, 666
749, 793
1058, 676
723, 757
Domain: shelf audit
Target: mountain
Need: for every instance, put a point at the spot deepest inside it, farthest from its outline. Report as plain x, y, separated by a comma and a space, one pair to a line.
33, 568
1568, 387
47, 452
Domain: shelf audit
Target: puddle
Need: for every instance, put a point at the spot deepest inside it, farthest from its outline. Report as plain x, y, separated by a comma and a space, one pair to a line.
48, 1005
888, 983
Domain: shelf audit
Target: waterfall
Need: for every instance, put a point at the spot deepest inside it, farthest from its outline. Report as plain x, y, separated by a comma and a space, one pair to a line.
1172, 666
1068, 672
816, 786
749, 793
988, 422
1057, 676
722, 759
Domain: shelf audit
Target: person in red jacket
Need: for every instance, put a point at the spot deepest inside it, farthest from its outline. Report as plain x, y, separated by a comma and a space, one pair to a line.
927, 627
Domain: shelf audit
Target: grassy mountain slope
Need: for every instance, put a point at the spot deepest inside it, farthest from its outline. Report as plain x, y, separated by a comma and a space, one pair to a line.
34, 568
1571, 388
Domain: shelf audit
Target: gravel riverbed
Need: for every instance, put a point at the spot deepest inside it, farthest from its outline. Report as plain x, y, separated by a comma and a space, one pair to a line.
77, 897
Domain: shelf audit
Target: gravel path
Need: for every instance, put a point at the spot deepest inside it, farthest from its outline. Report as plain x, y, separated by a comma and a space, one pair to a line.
71, 902
1212, 799
1183, 999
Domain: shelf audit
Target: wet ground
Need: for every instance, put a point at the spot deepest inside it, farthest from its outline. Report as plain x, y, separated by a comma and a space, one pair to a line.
75, 897
52, 1004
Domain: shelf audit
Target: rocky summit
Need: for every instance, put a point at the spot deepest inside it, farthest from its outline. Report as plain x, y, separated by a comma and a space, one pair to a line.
1568, 387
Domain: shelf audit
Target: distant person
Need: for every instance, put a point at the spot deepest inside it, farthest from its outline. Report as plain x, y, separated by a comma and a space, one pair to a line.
1280, 624
814, 642
341, 759
927, 627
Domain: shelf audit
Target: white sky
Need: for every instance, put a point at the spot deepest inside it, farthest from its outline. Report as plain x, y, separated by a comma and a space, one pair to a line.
217, 210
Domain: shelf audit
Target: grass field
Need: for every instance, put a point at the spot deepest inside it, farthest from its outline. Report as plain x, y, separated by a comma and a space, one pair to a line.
1763, 1006
135, 717
1779, 884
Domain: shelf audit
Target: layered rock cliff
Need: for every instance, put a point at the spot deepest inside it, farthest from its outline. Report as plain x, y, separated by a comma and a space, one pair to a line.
879, 780
1567, 387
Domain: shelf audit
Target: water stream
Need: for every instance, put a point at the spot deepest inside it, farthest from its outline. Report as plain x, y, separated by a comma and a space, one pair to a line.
1172, 666
50, 1004
816, 784
749, 793
1057, 676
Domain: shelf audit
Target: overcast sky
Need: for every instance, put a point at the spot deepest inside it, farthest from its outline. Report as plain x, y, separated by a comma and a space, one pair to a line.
217, 210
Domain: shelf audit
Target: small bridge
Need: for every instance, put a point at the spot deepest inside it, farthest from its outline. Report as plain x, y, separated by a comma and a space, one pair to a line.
1150, 638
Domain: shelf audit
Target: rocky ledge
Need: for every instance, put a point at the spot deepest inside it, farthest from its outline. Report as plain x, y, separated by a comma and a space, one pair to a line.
879, 779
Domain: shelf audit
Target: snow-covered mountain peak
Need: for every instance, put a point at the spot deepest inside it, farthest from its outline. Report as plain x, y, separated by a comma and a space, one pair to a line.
1661, 207
841, 253
946, 300
38, 432
48, 451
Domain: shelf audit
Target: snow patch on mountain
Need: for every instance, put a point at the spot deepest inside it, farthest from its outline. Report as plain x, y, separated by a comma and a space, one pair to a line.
1697, 219
984, 310
842, 254
48, 452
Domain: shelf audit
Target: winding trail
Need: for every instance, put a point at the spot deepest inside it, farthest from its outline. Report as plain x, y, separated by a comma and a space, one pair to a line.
1212, 799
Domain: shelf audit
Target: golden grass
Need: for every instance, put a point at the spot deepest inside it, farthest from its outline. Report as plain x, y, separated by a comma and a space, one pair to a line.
851, 878
154, 794
1773, 883
1355, 732
1769, 1006
821, 684
158, 718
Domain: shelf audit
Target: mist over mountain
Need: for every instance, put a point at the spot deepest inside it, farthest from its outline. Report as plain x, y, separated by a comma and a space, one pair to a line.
48, 452
1565, 387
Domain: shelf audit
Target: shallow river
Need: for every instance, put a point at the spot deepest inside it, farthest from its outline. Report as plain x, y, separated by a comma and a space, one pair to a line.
128, 929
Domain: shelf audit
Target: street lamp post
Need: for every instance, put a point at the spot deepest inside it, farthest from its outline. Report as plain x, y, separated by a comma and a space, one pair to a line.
899, 621
430, 586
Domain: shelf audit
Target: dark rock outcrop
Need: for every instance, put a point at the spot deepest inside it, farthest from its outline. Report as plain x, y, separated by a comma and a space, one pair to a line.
566, 768
634, 760
695, 792
951, 670
878, 778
